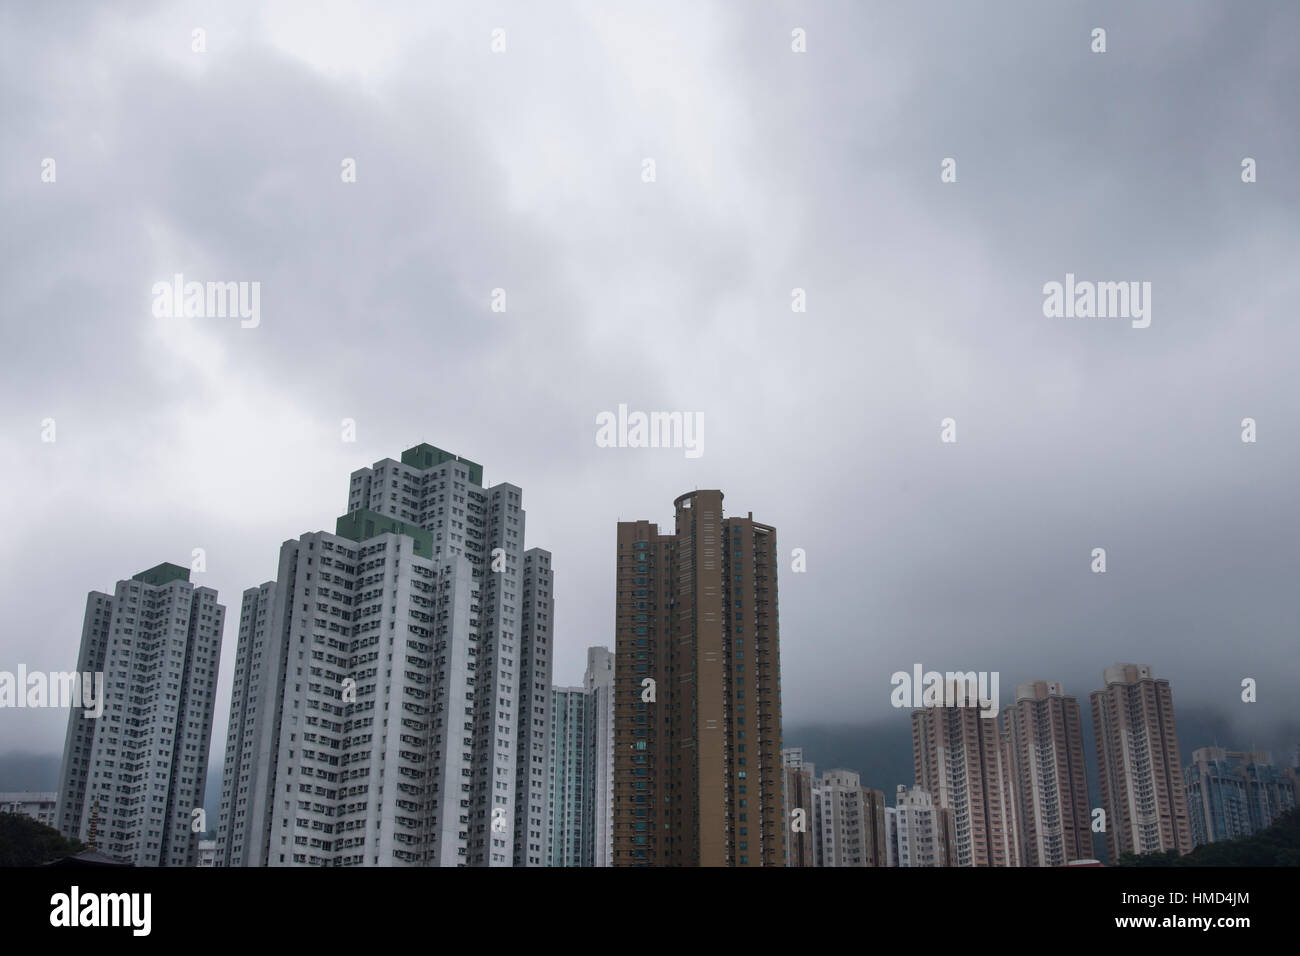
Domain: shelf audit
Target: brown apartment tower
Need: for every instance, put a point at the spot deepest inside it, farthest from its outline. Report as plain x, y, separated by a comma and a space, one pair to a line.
1139, 770
697, 702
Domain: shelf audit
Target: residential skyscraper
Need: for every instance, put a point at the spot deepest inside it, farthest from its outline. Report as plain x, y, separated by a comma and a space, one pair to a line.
350, 738
1233, 793
413, 734
570, 821
598, 681
1047, 766
963, 761
443, 494
138, 771
915, 830
697, 759
850, 821
533, 739
1138, 766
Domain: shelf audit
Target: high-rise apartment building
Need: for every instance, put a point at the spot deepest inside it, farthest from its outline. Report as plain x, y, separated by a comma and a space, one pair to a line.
570, 822
1047, 767
850, 821
798, 777
1232, 793
581, 772
697, 759
962, 760
533, 737
1139, 770
388, 678
598, 681
352, 709
136, 774
916, 830
443, 494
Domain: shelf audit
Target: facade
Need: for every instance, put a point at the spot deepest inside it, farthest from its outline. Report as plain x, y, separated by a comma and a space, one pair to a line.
599, 685
915, 831
964, 762
1050, 781
533, 735
349, 740
444, 495
41, 806
798, 777
385, 678
850, 821
207, 853
571, 829
1139, 770
697, 758
1232, 793
132, 778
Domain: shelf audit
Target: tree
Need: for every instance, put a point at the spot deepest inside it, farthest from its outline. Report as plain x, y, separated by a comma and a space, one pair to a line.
24, 842
1276, 845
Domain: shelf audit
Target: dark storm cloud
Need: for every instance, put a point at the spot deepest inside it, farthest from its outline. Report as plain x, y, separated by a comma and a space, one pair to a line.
775, 170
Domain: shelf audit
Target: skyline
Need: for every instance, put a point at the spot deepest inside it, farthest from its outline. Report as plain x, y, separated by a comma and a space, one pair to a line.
775, 171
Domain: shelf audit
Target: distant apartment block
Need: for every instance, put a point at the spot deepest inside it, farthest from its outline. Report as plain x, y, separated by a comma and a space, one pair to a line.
849, 821
571, 823
916, 831
533, 736
1232, 793
964, 762
41, 806
1049, 777
697, 758
131, 778
598, 682
1139, 771
207, 853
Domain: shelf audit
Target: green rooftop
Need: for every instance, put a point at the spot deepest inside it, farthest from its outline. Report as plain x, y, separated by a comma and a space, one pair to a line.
425, 456
362, 525
163, 574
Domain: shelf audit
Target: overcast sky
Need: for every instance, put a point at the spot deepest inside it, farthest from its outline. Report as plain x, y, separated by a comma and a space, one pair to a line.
523, 169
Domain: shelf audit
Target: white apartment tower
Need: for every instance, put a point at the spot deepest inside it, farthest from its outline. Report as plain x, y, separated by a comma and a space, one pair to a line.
533, 741
41, 806
394, 683
352, 705
915, 830
848, 820
598, 682
444, 495
132, 778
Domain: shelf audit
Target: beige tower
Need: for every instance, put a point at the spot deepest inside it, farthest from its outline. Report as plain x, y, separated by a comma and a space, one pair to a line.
964, 761
1051, 785
697, 769
1138, 767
